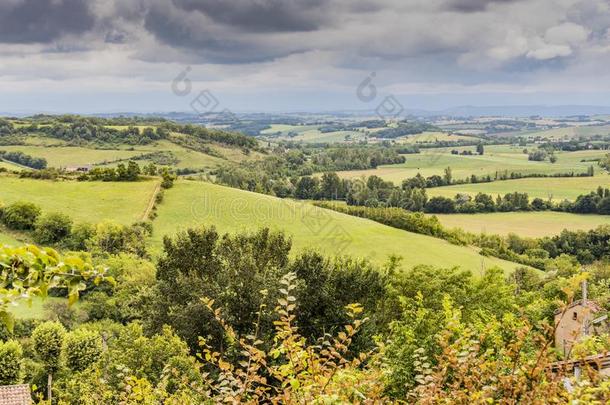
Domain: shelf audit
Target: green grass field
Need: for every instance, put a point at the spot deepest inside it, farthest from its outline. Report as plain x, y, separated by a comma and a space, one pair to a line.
9, 166
7, 239
431, 137
558, 188
565, 133
533, 224
65, 156
310, 134
58, 154
83, 201
36, 310
498, 158
191, 204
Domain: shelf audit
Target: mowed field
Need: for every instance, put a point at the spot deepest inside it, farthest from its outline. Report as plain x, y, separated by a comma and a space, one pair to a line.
123, 202
556, 188
432, 137
565, 133
9, 166
7, 239
64, 156
497, 158
310, 134
532, 224
61, 155
36, 309
191, 204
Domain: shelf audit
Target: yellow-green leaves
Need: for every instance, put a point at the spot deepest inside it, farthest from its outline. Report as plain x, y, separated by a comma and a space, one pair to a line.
29, 271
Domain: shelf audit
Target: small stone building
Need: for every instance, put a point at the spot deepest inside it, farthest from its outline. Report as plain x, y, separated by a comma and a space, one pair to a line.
15, 394
577, 320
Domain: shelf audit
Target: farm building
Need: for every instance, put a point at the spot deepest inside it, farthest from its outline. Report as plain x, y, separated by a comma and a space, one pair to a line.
15, 394
79, 169
581, 318
578, 320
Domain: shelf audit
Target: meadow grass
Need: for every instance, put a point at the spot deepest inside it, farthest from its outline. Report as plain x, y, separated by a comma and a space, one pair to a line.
122, 202
310, 134
285, 129
59, 155
8, 239
431, 137
565, 133
556, 188
532, 224
35, 309
9, 166
192, 204
65, 156
501, 158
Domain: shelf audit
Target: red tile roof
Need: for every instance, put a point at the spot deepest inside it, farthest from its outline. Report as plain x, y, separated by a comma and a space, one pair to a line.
15, 394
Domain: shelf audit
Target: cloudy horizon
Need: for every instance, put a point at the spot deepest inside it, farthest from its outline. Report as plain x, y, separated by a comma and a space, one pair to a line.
295, 55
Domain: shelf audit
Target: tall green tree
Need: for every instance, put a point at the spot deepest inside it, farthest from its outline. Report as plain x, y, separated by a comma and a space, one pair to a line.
11, 359
48, 341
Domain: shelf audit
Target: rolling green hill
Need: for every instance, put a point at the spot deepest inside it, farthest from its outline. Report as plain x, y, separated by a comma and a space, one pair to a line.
82, 201
558, 188
497, 158
191, 204
533, 224
7, 239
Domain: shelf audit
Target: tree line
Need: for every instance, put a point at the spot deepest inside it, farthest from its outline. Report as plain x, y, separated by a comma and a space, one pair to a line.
584, 246
24, 159
376, 192
82, 130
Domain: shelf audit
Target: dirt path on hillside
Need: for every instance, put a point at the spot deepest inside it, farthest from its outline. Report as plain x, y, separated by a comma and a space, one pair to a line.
151, 202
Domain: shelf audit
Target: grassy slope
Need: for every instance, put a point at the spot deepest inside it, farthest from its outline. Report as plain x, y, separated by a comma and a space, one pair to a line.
61, 155
7, 239
191, 204
430, 137
559, 188
496, 158
309, 133
36, 310
566, 133
9, 166
534, 224
71, 156
83, 201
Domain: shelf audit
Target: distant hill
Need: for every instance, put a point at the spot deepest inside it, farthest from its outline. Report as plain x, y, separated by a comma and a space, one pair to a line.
523, 110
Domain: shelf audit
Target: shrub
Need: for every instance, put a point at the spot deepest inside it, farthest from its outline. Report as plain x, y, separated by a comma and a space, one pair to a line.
11, 358
79, 236
82, 348
440, 205
48, 340
52, 228
21, 215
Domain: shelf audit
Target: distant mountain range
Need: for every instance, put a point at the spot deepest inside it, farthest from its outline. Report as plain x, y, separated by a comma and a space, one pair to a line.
458, 111
517, 111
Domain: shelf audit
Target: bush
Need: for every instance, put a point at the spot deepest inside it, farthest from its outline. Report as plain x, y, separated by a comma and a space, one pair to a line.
440, 205
48, 340
52, 228
80, 234
82, 348
11, 359
21, 215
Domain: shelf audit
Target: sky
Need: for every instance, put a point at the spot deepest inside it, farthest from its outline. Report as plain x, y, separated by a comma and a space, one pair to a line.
103, 56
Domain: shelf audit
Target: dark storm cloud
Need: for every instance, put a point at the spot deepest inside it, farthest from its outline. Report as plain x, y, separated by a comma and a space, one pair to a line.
261, 16
217, 31
42, 21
